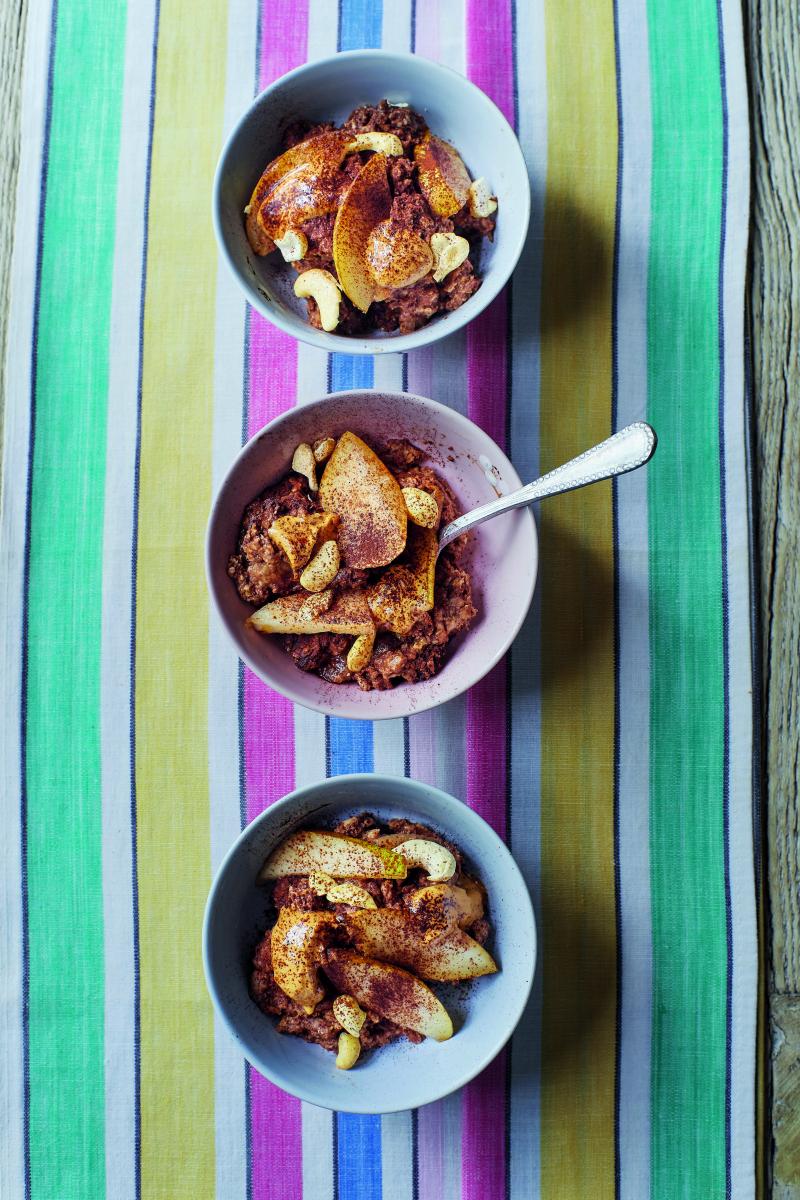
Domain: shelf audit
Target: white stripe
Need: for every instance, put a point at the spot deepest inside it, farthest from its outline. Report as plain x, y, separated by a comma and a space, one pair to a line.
396, 32
397, 1177
230, 1110
12, 538
388, 372
524, 1116
634, 640
115, 660
440, 372
317, 1125
388, 747
744, 992
323, 29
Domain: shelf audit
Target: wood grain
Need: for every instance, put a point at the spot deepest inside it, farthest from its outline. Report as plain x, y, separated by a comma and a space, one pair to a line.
773, 29
773, 33
12, 39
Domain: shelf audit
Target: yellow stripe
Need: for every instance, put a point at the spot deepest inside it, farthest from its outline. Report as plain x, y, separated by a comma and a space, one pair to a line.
177, 1081
579, 941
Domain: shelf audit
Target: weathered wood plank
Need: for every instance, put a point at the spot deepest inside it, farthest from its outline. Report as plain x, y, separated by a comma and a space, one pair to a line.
12, 38
774, 52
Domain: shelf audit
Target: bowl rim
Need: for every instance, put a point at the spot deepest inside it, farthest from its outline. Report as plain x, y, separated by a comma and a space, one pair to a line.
292, 693
523, 915
433, 331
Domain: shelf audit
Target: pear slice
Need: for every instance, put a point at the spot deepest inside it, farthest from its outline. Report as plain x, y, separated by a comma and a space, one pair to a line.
390, 992
299, 196
394, 935
323, 152
299, 536
406, 591
443, 178
297, 951
333, 854
364, 205
423, 546
368, 500
348, 614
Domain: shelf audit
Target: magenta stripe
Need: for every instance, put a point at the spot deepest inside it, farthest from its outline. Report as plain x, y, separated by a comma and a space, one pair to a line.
490, 59
490, 51
276, 1125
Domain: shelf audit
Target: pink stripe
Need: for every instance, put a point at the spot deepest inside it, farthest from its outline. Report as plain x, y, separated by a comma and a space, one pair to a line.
431, 1152
490, 58
490, 51
275, 1121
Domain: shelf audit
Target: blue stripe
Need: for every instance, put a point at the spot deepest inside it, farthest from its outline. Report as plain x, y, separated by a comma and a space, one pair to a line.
349, 746
351, 371
360, 24
359, 1166
349, 743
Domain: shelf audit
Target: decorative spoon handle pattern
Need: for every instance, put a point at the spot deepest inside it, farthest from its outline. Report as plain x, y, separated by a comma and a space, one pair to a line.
632, 447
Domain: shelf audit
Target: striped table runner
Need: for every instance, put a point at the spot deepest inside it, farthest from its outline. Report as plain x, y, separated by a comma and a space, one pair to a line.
613, 748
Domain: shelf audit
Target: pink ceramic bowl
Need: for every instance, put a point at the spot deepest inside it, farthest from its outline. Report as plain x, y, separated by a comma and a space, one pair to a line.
503, 559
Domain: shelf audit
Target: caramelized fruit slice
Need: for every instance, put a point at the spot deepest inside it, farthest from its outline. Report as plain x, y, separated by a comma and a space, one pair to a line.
394, 935
297, 949
334, 854
325, 152
368, 501
348, 614
298, 536
302, 194
397, 257
389, 991
443, 178
364, 205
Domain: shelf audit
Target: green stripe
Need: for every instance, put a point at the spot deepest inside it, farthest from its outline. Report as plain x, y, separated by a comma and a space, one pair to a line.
63, 695
686, 750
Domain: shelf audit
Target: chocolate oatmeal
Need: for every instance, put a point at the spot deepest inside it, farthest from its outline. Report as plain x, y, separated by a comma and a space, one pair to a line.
379, 218
362, 919
346, 571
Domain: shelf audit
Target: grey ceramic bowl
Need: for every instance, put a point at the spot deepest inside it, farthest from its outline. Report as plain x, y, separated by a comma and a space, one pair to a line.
328, 90
401, 1075
503, 561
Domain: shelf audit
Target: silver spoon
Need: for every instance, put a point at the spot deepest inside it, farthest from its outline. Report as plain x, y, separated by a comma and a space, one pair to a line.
632, 447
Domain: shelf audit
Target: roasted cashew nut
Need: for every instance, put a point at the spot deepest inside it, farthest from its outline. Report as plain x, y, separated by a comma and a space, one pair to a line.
380, 143
349, 1050
360, 653
293, 245
346, 892
323, 448
350, 893
481, 201
322, 569
432, 857
304, 463
349, 1014
449, 251
321, 286
421, 507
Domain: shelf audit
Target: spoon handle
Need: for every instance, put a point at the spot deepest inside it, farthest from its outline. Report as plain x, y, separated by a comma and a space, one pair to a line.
632, 447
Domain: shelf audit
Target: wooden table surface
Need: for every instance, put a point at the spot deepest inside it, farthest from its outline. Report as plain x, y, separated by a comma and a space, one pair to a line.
773, 46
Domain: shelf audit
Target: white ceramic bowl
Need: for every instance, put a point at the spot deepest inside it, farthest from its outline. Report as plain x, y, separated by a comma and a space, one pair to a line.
503, 560
328, 90
401, 1075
